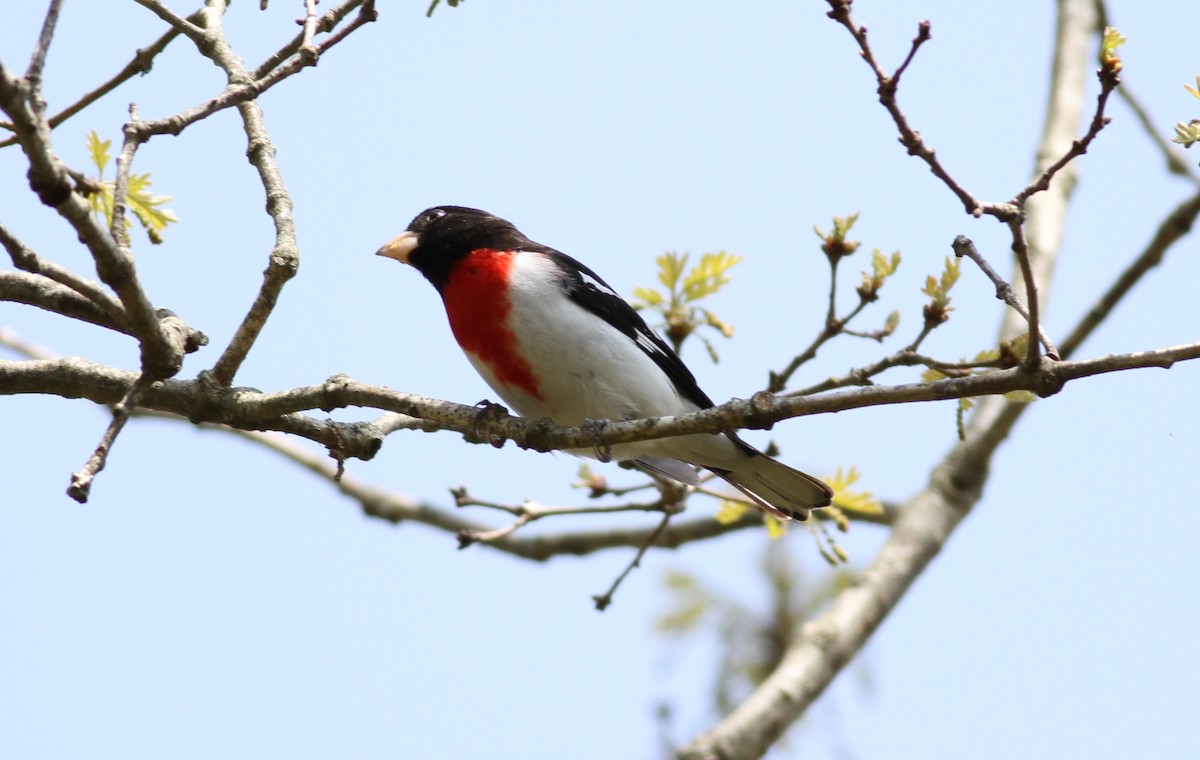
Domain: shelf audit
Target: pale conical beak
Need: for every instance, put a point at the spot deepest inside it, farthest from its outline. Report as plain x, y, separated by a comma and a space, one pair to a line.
399, 247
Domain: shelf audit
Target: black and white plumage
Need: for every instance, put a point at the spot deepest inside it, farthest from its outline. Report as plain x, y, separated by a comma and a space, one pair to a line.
554, 340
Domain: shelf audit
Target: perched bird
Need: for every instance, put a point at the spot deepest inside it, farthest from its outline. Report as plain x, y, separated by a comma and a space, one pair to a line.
554, 340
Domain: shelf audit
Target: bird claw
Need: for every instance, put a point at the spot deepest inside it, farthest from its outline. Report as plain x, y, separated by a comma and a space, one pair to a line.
488, 411
594, 428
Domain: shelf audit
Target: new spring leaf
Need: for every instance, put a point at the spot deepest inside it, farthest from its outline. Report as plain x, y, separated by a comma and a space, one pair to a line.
145, 206
684, 287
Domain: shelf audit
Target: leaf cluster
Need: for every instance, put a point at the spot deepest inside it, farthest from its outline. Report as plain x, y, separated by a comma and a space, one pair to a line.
146, 207
1188, 134
882, 267
1109, 42
938, 289
684, 288
834, 244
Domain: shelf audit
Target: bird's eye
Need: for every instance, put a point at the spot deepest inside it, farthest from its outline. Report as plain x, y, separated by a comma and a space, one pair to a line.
421, 221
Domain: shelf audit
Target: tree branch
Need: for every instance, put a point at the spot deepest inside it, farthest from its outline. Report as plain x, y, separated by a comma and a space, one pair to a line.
44, 293
250, 409
26, 259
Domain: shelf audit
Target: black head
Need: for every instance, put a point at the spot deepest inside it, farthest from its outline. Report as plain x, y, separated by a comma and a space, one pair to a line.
440, 236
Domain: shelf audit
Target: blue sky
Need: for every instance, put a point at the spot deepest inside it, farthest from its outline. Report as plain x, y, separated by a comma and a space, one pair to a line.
213, 600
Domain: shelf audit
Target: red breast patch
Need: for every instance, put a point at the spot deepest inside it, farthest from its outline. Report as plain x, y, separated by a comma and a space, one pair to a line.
477, 303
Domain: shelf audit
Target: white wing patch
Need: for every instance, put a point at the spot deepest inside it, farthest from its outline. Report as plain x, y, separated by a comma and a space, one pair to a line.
647, 344
588, 279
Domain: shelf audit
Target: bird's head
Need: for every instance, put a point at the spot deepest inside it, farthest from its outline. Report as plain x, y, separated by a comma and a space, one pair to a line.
440, 236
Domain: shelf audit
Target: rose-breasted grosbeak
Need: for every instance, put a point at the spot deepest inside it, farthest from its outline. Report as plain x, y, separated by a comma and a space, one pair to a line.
554, 340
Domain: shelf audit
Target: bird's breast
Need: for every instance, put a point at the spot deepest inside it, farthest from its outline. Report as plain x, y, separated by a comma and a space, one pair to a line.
479, 306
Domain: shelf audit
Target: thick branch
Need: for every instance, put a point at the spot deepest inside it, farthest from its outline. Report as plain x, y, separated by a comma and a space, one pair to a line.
825, 645
250, 409
26, 259
45, 293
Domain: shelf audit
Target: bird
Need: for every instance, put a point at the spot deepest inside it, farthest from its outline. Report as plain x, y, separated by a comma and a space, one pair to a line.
555, 341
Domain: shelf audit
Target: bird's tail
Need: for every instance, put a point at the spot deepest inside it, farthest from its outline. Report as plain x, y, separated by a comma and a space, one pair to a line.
777, 488
772, 485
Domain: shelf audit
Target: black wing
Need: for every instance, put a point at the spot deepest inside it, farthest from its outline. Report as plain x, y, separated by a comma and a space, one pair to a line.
587, 289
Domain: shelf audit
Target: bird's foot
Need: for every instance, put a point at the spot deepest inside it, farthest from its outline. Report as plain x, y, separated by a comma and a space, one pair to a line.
489, 411
594, 428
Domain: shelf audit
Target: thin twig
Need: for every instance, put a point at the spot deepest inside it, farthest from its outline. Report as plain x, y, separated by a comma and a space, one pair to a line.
10, 339
964, 246
397, 508
141, 63
1020, 249
326, 23
602, 601
529, 511
186, 26
777, 381
81, 481
1109, 81
905, 357
922, 37
909, 137
37, 61
121, 185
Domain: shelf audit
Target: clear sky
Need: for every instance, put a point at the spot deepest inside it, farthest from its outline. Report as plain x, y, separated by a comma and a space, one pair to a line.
213, 600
